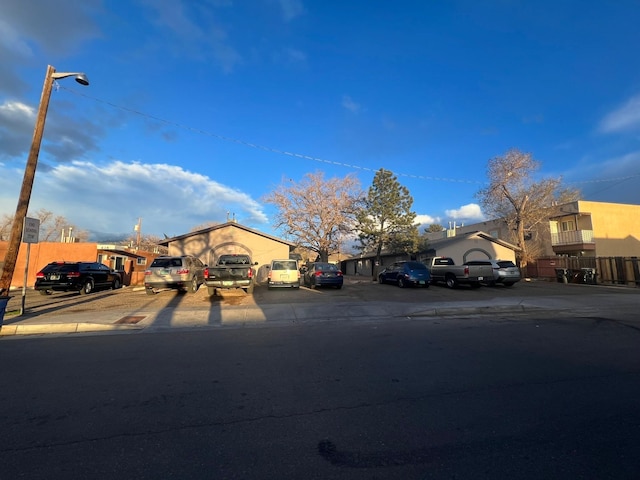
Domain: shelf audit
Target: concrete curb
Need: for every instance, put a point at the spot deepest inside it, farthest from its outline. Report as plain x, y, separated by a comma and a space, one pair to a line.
58, 328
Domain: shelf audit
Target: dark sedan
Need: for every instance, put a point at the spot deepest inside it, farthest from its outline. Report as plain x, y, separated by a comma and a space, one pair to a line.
406, 273
321, 274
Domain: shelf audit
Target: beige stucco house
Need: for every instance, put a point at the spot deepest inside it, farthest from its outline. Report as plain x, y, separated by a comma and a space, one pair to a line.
462, 248
228, 238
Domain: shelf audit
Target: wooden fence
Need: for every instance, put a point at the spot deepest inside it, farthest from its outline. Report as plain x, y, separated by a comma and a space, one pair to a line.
605, 270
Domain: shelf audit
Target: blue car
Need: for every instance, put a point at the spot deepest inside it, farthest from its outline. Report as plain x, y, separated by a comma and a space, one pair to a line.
321, 274
405, 274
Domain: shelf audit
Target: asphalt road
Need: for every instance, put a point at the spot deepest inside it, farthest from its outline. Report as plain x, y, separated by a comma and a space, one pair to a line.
432, 398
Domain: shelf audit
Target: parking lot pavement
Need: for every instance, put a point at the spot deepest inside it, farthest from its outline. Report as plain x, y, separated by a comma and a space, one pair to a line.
132, 310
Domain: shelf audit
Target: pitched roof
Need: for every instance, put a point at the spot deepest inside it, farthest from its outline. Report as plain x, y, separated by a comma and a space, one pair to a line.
460, 237
166, 241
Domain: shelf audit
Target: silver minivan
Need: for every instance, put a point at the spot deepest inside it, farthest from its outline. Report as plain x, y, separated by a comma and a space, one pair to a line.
284, 273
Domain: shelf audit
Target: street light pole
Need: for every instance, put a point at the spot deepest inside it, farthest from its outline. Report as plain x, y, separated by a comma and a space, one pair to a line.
29, 175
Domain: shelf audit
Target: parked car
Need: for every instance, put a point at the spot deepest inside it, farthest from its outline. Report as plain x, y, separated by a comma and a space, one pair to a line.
283, 273
183, 273
320, 274
504, 271
83, 277
406, 273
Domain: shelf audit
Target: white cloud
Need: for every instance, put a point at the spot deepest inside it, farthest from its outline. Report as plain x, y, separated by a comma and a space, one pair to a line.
349, 104
626, 117
470, 211
106, 199
426, 220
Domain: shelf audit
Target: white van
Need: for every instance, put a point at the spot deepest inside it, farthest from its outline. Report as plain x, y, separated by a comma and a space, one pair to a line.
284, 273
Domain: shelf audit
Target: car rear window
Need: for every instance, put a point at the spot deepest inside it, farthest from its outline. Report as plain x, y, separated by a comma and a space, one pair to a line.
416, 266
61, 267
167, 262
285, 265
506, 264
326, 267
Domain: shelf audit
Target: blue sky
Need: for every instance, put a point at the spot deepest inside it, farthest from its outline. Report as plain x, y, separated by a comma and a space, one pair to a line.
198, 108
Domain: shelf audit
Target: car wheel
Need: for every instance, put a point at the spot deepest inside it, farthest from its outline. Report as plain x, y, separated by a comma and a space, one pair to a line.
451, 281
193, 287
45, 292
87, 287
401, 283
149, 291
116, 284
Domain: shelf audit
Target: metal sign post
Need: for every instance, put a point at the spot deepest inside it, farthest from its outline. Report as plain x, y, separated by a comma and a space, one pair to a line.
30, 234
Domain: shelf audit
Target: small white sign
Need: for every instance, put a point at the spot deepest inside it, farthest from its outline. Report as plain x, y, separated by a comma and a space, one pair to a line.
31, 230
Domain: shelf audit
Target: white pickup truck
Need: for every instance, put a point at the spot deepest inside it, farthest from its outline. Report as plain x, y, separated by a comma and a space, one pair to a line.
444, 269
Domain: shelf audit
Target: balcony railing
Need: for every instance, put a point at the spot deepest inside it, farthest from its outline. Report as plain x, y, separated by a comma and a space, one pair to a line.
572, 237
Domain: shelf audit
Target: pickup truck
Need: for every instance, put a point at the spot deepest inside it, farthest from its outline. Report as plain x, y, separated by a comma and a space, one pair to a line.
230, 271
444, 269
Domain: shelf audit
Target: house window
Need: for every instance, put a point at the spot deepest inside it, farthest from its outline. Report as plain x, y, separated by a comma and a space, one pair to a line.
100, 258
568, 226
141, 261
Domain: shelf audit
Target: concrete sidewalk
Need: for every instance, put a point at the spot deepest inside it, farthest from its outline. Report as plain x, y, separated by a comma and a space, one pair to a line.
117, 321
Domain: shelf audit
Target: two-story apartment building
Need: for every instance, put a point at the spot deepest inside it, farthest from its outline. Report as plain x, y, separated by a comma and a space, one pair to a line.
576, 229
595, 229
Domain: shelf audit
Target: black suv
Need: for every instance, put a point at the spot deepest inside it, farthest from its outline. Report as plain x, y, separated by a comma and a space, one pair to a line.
84, 277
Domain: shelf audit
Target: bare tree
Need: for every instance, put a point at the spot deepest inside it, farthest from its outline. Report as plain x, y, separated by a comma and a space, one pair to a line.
514, 195
51, 227
5, 226
148, 243
316, 213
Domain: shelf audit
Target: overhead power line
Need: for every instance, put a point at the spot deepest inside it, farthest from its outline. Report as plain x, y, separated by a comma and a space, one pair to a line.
262, 147
303, 156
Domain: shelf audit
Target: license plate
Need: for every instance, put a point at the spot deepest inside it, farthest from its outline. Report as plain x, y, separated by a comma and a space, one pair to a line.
480, 278
54, 277
164, 272
421, 282
227, 283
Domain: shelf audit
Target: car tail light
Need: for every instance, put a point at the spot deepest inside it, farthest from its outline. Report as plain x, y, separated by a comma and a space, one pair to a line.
339, 273
73, 274
466, 271
39, 275
183, 271
206, 272
250, 273
318, 273
147, 272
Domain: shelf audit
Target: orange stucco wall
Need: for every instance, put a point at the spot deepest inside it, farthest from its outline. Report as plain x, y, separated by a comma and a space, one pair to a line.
46, 252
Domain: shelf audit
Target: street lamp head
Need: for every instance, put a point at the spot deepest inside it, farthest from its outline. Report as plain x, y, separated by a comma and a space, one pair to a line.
82, 79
